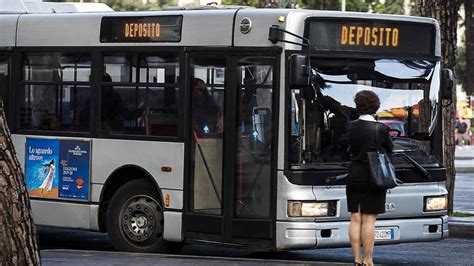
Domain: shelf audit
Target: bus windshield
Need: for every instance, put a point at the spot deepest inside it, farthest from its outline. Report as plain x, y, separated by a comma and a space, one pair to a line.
409, 102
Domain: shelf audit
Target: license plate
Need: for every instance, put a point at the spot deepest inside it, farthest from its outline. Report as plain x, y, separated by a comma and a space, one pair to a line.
384, 234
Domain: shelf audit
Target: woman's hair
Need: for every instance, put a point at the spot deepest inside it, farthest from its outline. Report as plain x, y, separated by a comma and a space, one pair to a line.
367, 102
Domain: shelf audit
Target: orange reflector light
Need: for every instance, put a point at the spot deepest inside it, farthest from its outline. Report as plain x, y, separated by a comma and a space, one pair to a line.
167, 200
166, 169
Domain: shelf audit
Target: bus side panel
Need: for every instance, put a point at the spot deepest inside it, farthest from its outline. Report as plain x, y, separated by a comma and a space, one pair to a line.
61, 214
109, 155
199, 28
8, 30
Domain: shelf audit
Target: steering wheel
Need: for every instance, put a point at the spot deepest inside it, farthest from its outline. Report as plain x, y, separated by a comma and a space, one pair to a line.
394, 133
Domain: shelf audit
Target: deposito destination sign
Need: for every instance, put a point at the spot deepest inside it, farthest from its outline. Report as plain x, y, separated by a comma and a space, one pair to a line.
371, 36
57, 169
141, 29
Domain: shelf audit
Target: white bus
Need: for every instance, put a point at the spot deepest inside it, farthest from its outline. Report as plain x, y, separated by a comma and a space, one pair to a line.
218, 125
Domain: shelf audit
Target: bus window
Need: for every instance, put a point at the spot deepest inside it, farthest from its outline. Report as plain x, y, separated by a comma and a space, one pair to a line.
408, 93
254, 127
207, 113
56, 87
140, 94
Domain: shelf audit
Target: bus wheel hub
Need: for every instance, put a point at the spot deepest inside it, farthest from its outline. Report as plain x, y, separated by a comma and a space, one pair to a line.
140, 215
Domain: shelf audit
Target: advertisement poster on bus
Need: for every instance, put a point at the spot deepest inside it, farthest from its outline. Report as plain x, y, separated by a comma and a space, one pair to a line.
57, 168
74, 173
42, 157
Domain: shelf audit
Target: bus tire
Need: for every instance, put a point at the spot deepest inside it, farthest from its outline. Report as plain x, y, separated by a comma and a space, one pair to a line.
135, 221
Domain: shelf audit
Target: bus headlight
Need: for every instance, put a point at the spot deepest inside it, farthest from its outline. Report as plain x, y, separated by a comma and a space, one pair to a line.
311, 208
436, 203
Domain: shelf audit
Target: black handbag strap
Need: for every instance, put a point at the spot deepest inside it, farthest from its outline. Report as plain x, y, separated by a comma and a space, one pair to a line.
377, 144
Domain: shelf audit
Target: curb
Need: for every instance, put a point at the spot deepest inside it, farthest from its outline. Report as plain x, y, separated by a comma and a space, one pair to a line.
464, 158
461, 230
464, 170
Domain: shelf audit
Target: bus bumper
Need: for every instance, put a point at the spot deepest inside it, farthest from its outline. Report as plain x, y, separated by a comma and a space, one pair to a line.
306, 235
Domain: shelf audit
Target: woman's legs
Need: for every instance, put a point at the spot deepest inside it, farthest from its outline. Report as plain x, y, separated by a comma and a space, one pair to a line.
355, 234
368, 235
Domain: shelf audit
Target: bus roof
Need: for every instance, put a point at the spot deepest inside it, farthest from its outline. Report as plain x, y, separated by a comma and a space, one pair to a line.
208, 27
37, 6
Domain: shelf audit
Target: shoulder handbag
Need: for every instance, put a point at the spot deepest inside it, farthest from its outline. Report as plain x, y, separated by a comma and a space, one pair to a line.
382, 172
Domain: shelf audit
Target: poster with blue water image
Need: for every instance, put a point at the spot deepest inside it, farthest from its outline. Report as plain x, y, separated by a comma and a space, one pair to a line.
41, 164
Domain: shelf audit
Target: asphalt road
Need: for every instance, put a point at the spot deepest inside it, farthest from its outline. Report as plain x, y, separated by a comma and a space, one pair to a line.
451, 251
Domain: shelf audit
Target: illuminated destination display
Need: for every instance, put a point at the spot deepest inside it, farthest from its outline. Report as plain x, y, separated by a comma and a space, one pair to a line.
141, 29
369, 36
372, 37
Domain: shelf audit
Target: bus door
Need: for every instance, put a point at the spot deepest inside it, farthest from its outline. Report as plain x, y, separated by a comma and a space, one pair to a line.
231, 193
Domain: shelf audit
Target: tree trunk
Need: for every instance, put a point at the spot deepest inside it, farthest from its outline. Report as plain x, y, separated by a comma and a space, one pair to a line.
446, 13
18, 239
468, 6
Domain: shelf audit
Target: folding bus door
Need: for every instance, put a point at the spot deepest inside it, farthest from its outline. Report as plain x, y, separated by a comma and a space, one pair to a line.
231, 186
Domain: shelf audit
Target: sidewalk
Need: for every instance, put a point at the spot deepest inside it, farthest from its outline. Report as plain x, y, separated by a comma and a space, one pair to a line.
463, 227
464, 159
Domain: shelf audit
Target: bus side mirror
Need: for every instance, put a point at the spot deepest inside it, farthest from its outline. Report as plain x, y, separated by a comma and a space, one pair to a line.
299, 75
448, 83
275, 34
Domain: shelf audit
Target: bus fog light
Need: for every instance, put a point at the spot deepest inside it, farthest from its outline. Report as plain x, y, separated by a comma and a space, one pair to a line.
311, 209
437, 203
314, 209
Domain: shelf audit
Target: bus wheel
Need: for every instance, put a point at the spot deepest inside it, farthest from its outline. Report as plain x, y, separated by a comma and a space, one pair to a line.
135, 220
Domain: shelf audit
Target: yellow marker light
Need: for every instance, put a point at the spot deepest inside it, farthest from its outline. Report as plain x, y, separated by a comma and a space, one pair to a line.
167, 200
436, 203
281, 19
166, 169
294, 209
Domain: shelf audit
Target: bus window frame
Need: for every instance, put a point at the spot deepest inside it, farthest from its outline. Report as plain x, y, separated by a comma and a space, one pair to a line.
19, 82
104, 51
300, 177
97, 69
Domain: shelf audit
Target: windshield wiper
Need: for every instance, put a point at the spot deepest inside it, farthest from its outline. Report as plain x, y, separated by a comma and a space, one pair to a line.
332, 179
417, 166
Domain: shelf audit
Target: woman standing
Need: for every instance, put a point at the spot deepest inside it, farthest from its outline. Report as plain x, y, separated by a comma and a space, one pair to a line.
363, 201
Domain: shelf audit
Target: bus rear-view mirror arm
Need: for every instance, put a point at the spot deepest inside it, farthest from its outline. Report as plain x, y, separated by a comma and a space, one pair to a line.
300, 65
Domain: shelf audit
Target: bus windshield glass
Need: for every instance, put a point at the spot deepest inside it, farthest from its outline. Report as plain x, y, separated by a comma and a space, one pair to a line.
408, 92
